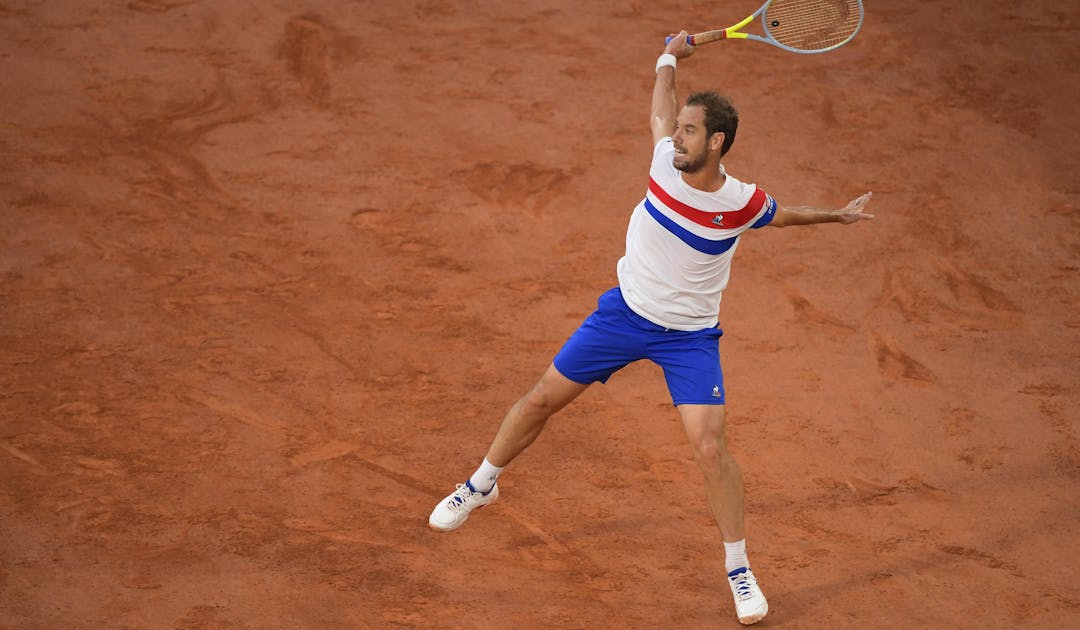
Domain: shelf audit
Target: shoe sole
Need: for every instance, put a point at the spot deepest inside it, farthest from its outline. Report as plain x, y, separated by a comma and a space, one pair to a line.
754, 618
440, 528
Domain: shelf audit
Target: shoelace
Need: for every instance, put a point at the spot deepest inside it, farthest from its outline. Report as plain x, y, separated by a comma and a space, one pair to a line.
461, 497
743, 585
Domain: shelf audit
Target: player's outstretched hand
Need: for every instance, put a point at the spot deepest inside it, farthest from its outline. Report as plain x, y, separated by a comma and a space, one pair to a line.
854, 211
677, 45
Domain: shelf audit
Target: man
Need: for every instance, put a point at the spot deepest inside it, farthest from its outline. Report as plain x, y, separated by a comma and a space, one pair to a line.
679, 245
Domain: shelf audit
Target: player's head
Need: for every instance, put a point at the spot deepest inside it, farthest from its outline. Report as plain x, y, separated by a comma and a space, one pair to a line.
707, 123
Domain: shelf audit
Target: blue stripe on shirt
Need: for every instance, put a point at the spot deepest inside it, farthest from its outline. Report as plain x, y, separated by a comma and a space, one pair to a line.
703, 245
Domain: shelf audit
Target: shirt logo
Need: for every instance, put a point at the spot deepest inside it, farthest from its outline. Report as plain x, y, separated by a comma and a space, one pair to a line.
718, 220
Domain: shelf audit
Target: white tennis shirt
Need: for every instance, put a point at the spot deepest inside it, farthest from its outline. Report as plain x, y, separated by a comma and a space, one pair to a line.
680, 242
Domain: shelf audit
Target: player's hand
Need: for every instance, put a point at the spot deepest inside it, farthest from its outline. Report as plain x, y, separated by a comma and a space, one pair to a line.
678, 46
854, 211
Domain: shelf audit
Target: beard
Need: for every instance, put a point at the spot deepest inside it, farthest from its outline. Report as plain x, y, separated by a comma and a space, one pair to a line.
691, 165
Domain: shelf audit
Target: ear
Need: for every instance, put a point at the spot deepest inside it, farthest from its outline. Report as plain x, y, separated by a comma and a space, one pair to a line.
716, 141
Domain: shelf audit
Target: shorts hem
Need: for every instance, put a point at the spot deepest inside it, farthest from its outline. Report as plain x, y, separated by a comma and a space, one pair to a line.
710, 401
578, 379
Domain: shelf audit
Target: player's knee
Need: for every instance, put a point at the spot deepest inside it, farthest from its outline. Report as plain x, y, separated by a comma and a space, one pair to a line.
538, 403
710, 451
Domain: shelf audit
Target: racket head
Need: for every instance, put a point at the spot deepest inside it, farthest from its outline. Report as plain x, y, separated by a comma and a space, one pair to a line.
811, 26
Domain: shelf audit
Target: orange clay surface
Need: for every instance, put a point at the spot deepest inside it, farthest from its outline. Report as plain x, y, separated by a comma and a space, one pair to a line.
271, 272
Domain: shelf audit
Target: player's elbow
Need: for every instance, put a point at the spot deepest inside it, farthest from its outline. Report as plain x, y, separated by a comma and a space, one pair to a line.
782, 218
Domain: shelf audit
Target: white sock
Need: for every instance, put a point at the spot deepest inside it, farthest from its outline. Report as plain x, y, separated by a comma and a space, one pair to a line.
484, 478
735, 555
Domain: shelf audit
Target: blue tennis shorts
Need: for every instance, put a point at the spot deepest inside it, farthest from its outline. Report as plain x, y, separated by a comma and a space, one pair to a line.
615, 336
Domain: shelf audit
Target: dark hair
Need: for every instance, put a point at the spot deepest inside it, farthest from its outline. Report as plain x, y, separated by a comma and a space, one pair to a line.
720, 115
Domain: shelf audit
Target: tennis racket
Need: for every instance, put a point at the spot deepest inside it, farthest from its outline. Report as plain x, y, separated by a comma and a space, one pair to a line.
798, 26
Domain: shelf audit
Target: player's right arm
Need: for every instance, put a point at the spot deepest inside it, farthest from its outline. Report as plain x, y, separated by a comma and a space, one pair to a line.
664, 106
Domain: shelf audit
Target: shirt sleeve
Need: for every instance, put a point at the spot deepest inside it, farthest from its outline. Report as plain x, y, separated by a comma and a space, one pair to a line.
770, 213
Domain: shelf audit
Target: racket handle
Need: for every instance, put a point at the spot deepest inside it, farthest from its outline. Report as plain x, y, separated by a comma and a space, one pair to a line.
689, 40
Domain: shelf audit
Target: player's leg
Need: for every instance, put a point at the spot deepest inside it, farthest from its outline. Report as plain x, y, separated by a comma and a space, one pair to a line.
600, 347
691, 363
724, 489
704, 426
695, 379
528, 416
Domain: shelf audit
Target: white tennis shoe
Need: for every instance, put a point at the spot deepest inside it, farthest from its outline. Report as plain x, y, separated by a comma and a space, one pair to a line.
750, 604
452, 511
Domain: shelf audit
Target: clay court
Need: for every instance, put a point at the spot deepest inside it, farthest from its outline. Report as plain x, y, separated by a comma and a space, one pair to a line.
271, 273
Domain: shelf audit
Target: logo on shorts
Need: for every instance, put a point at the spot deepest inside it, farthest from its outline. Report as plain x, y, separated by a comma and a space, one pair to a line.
716, 391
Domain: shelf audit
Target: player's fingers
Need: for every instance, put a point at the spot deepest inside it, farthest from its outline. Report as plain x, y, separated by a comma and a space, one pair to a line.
684, 41
860, 202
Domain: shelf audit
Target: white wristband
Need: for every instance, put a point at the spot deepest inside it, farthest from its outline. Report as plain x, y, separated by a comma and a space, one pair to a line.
666, 59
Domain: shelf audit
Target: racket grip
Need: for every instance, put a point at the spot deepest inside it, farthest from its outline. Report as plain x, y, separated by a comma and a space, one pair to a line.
689, 40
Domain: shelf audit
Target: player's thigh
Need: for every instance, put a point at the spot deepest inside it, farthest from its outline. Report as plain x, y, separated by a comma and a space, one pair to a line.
705, 427
554, 391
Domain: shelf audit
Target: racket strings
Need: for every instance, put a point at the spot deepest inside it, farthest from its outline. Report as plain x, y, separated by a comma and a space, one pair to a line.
812, 24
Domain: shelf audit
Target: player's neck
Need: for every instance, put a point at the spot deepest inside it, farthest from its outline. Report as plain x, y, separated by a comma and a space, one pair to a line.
708, 179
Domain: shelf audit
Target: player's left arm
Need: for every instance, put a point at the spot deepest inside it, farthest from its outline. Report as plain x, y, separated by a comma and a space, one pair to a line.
808, 215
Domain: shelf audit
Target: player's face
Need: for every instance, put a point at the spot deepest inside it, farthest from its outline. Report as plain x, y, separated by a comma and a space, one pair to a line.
691, 139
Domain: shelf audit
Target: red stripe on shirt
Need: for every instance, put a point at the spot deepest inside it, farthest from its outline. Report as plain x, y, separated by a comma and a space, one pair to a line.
729, 219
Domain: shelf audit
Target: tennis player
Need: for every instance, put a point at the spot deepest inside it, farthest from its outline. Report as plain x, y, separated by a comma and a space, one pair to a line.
679, 244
